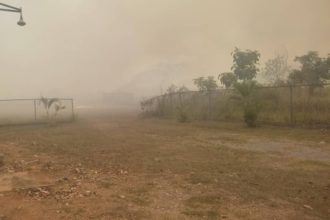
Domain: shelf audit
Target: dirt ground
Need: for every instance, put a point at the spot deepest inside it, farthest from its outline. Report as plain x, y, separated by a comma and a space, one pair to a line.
119, 166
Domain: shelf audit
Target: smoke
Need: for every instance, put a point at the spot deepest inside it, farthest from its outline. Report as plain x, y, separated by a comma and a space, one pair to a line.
83, 48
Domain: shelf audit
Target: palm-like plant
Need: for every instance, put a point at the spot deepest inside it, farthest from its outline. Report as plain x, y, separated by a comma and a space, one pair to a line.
246, 88
246, 91
58, 107
49, 102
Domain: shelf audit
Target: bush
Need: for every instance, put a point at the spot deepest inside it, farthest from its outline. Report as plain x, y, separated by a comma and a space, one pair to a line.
247, 96
182, 115
250, 116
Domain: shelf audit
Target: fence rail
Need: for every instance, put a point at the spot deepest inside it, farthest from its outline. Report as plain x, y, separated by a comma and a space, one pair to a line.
29, 111
307, 104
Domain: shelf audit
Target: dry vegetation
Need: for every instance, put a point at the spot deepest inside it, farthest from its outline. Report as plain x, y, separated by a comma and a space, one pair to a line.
115, 166
274, 106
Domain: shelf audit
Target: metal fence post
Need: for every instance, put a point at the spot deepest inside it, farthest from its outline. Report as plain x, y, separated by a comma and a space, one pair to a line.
35, 109
171, 103
291, 104
180, 99
72, 109
209, 105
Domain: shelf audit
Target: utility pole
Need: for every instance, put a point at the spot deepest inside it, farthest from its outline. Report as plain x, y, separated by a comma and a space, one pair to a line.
9, 8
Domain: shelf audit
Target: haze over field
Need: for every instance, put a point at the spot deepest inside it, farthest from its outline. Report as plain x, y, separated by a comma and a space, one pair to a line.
83, 48
165, 109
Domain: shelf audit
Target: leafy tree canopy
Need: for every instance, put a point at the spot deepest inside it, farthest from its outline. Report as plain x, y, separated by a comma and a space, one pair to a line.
206, 84
246, 88
227, 79
313, 69
245, 64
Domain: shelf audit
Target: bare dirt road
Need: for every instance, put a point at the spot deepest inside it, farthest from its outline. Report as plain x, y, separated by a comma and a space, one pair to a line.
119, 166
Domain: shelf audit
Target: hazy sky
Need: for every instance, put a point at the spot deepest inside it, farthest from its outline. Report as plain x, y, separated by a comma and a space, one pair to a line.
72, 47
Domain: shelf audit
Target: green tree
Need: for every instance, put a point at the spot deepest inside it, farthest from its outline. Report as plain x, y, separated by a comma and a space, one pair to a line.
227, 79
313, 69
245, 64
246, 91
245, 69
206, 84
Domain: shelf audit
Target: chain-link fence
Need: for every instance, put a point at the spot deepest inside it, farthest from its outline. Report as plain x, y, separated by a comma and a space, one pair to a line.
290, 105
26, 111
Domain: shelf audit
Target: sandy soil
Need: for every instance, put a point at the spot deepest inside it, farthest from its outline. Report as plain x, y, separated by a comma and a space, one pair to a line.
119, 166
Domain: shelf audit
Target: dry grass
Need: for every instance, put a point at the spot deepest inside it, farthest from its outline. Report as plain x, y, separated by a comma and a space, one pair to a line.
160, 169
275, 106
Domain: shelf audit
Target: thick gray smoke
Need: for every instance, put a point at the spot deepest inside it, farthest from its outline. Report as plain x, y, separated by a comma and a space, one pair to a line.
86, 48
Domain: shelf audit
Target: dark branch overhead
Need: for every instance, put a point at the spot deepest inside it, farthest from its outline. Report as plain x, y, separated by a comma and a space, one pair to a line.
10, 8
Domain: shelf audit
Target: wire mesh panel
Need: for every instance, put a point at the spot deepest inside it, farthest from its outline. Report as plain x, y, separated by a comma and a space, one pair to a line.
311, 105
274, 105
289, 104
224, 105
198, 105
25, 111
